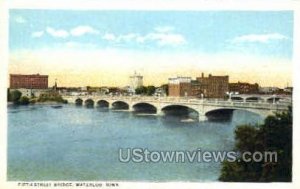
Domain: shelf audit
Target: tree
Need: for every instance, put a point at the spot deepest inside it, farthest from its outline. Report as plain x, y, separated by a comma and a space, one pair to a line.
274, 135
8, 96
150, 90
141, 90
15, 96
24, 100
145, 90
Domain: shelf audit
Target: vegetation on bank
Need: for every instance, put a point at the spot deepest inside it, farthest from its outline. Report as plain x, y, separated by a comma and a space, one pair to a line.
16, 98
145, 90
150, 90
275, 134
51, 98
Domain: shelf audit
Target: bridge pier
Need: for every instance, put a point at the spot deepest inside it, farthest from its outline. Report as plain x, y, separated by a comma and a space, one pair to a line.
202, 117
159, 112
130, 108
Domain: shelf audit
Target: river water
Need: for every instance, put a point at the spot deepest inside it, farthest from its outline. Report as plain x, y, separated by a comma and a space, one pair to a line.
77, 143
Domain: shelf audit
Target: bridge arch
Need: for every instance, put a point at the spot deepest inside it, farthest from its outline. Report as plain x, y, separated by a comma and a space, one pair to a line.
220, 114
103, 103
237, 98
78, 102
226, 113
276, 99
253, 99
120, 105
144, 107
89, 103
180, 111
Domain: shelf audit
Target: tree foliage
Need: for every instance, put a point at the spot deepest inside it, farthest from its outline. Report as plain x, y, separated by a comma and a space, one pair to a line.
15, 96
150, 90
51, 97
145, 90
274, 135
141, 90
8, 96
24, 100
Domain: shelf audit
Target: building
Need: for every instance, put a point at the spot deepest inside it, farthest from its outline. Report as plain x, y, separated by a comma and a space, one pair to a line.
208, 87
214, 86
269, 90
196, 89
243, 88
180, 86
135, 81
160, 91
36, 81
288, 90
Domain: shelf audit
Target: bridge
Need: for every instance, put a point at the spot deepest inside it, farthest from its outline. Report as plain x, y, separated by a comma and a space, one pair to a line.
203, 108
260, 98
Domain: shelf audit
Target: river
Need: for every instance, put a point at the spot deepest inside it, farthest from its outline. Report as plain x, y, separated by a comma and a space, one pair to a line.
78, 143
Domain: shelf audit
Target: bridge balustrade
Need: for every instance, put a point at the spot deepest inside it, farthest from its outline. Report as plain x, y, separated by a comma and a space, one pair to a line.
213, 102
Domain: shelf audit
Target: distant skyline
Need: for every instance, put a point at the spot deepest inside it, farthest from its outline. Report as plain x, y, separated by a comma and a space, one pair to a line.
102, 48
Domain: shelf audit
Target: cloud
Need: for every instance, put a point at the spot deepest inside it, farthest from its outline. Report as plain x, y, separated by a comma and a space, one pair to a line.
37, 34
77, 45
164, 29
109, 37
82, 30
128, 37
259, 38
57, 33
162, 38
20, 20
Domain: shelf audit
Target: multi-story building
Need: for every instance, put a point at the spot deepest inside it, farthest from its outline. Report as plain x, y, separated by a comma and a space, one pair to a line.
244, 88
196, 89
213, 86
35, 81
29, 85
180, 86
269, 90
136, 80
208, 87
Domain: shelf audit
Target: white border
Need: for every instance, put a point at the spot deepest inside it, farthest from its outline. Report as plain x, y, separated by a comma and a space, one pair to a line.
262, 5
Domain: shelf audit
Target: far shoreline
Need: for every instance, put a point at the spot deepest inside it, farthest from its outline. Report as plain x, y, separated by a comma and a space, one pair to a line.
36, 103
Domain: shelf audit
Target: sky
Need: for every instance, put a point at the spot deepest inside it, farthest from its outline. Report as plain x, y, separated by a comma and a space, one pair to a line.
102, 48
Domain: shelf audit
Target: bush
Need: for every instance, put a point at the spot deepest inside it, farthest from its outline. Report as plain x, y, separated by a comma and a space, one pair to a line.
51, 98
15, 96
32, 101
8, 96
24, 100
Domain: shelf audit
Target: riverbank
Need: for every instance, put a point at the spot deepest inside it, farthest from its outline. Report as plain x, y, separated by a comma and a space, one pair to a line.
36, 103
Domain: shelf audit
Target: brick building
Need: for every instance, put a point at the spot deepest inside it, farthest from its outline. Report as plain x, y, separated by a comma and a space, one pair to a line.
214, 86
244, 88
208, 87
180, 86
196, 89
36, 81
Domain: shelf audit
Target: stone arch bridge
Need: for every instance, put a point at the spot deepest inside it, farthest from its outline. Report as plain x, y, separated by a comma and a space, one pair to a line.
203, 107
